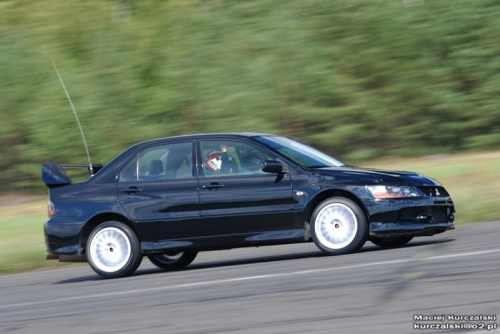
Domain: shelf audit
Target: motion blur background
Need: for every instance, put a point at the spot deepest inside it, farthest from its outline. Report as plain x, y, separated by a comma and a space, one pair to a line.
356, 78
363, 80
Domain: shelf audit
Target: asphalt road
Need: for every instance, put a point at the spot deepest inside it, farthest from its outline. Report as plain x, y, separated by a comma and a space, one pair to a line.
277, 289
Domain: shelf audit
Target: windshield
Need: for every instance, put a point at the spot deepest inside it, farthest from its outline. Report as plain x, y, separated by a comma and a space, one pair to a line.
302, 155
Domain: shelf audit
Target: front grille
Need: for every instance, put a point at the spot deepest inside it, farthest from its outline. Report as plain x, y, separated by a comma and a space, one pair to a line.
433, 191
411, 214
439, 214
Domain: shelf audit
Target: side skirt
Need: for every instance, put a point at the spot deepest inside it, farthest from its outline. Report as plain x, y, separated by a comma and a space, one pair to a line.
219, 242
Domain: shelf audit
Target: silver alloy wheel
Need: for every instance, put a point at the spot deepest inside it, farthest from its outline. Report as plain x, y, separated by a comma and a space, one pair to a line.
110, 249
336, 226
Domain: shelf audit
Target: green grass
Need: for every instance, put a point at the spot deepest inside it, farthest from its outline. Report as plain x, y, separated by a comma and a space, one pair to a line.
22, 245
473, 180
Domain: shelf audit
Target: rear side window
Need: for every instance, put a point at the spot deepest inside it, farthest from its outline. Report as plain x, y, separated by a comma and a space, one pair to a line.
163, 162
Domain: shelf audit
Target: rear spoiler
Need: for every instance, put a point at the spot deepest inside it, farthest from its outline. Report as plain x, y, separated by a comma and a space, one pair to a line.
53, 175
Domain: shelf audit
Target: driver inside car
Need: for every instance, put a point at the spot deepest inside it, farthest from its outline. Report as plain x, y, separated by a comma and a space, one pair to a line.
220, 161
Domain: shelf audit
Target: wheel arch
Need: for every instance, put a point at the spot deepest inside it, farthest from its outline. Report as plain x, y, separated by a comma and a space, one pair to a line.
329, 193
99, 219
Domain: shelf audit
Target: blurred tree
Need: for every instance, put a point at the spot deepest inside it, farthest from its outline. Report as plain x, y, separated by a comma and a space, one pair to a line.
356, 78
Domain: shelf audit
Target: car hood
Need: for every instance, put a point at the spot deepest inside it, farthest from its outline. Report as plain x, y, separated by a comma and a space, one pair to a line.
377, 176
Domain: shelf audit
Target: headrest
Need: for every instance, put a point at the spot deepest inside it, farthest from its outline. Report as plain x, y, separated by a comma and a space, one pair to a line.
155, 167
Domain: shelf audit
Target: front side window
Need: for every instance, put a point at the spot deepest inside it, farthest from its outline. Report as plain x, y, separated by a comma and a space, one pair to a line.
228, 157
163, 162
302, 155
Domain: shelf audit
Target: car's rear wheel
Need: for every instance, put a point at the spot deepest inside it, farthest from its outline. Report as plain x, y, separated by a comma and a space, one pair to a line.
338, 226
113, 250
391, 242
173, 260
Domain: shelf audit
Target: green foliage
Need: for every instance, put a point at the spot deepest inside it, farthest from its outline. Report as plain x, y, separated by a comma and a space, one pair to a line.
356, 78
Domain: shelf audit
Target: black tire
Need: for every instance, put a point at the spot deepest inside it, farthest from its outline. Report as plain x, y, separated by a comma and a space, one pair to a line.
346, 233
391, 242
170, 261
113, 250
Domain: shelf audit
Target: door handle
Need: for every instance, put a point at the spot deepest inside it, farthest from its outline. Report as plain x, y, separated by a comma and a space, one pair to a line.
131, 190
213, 186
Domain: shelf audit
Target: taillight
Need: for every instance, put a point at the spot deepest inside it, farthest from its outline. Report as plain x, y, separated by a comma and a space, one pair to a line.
51, 209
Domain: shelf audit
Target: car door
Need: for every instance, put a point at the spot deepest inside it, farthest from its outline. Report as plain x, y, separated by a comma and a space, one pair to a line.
159, 191
236, 196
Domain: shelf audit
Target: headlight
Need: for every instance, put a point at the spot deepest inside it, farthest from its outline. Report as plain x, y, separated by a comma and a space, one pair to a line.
393, 191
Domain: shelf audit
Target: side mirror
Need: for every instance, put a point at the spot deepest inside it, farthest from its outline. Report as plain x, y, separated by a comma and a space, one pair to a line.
271, 166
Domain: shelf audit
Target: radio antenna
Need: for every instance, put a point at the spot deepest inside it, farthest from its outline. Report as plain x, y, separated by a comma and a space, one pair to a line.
91, 169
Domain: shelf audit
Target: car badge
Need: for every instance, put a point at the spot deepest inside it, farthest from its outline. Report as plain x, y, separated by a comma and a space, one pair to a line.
437, 192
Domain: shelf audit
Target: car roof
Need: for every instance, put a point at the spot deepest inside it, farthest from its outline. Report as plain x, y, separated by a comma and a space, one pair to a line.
204, 135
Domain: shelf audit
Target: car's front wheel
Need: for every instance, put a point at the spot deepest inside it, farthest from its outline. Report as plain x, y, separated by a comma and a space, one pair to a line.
391, 242
338, 226
113, 250
175, 260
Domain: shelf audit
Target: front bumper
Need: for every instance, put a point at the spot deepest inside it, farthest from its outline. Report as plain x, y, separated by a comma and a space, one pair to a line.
411, 217
408, 229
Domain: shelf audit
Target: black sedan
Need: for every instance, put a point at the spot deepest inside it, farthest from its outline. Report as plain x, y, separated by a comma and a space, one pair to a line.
170, 198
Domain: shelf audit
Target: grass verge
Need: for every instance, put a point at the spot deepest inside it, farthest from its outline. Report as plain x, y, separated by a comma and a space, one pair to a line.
22, 244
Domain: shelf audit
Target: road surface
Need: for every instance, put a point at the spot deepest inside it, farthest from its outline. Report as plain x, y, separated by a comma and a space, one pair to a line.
276, 289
